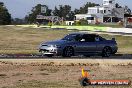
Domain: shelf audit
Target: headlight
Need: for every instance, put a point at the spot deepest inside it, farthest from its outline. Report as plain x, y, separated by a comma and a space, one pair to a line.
56, 46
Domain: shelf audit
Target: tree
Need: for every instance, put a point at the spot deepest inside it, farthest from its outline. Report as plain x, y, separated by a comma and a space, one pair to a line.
70, 16
5, 16
31, 18
62, 11
56, 11
76, 11
84, 9
18, 21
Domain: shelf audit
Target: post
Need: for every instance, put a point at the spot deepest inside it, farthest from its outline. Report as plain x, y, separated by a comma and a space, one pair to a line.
111, 19
125, 21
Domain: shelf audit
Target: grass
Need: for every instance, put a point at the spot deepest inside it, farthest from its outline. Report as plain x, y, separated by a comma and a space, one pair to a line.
25, 40
113, 25
124, 43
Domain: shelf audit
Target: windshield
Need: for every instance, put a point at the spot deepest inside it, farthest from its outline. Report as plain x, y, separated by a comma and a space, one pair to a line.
70, 37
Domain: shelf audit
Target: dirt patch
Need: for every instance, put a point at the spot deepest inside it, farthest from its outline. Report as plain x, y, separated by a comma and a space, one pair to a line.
59, 73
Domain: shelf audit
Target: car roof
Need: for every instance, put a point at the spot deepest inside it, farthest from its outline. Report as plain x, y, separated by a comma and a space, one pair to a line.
82, 33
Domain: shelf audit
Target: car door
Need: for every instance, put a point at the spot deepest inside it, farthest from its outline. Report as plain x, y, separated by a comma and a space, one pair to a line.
100, 44
87, 44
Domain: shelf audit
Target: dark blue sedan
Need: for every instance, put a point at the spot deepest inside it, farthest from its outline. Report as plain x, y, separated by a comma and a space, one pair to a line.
79, 44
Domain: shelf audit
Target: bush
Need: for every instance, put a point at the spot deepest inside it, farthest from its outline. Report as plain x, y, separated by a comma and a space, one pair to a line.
84, 22
50, 24
77, 23
81, 22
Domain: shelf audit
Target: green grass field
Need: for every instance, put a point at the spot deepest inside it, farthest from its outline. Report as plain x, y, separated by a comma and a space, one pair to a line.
15, 39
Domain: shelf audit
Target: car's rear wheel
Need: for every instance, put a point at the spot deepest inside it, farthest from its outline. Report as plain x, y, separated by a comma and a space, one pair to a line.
106, 52
68, 52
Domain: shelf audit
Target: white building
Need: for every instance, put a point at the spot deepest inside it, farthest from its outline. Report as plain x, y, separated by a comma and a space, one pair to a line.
105, 13
69, 22
91, 18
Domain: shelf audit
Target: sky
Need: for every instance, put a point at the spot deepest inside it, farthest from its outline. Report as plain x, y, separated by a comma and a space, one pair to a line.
20, 8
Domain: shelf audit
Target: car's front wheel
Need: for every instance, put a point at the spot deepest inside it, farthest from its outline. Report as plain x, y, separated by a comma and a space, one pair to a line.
87, 55
68, 52
106, 52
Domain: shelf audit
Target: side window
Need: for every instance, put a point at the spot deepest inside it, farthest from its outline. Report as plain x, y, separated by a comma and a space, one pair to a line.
83, 39
101, 39
97, 39
88, 38
78, 37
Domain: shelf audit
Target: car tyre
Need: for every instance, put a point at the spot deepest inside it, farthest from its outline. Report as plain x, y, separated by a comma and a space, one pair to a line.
106, 52
68, 52
87, 55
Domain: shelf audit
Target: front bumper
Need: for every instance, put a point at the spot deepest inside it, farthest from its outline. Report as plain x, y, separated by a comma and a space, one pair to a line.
50, 50
45, 51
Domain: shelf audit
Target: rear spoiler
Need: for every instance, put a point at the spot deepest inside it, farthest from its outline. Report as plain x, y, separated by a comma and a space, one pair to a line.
113, 39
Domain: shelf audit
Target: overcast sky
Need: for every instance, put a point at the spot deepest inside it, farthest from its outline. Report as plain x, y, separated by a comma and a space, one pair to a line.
20, 8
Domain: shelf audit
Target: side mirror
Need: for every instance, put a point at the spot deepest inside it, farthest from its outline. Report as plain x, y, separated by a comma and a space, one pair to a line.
82, 40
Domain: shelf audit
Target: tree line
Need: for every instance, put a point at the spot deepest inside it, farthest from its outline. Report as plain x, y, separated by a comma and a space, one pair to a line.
64, 11
61, 11
5, 16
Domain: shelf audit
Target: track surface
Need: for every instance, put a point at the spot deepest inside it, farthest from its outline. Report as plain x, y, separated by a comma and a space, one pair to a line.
68, 62
34, 56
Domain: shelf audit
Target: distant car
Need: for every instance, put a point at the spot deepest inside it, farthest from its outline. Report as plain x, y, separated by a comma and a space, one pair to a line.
79, 44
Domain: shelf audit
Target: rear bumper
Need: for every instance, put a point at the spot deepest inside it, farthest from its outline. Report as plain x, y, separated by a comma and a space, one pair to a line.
114, 50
